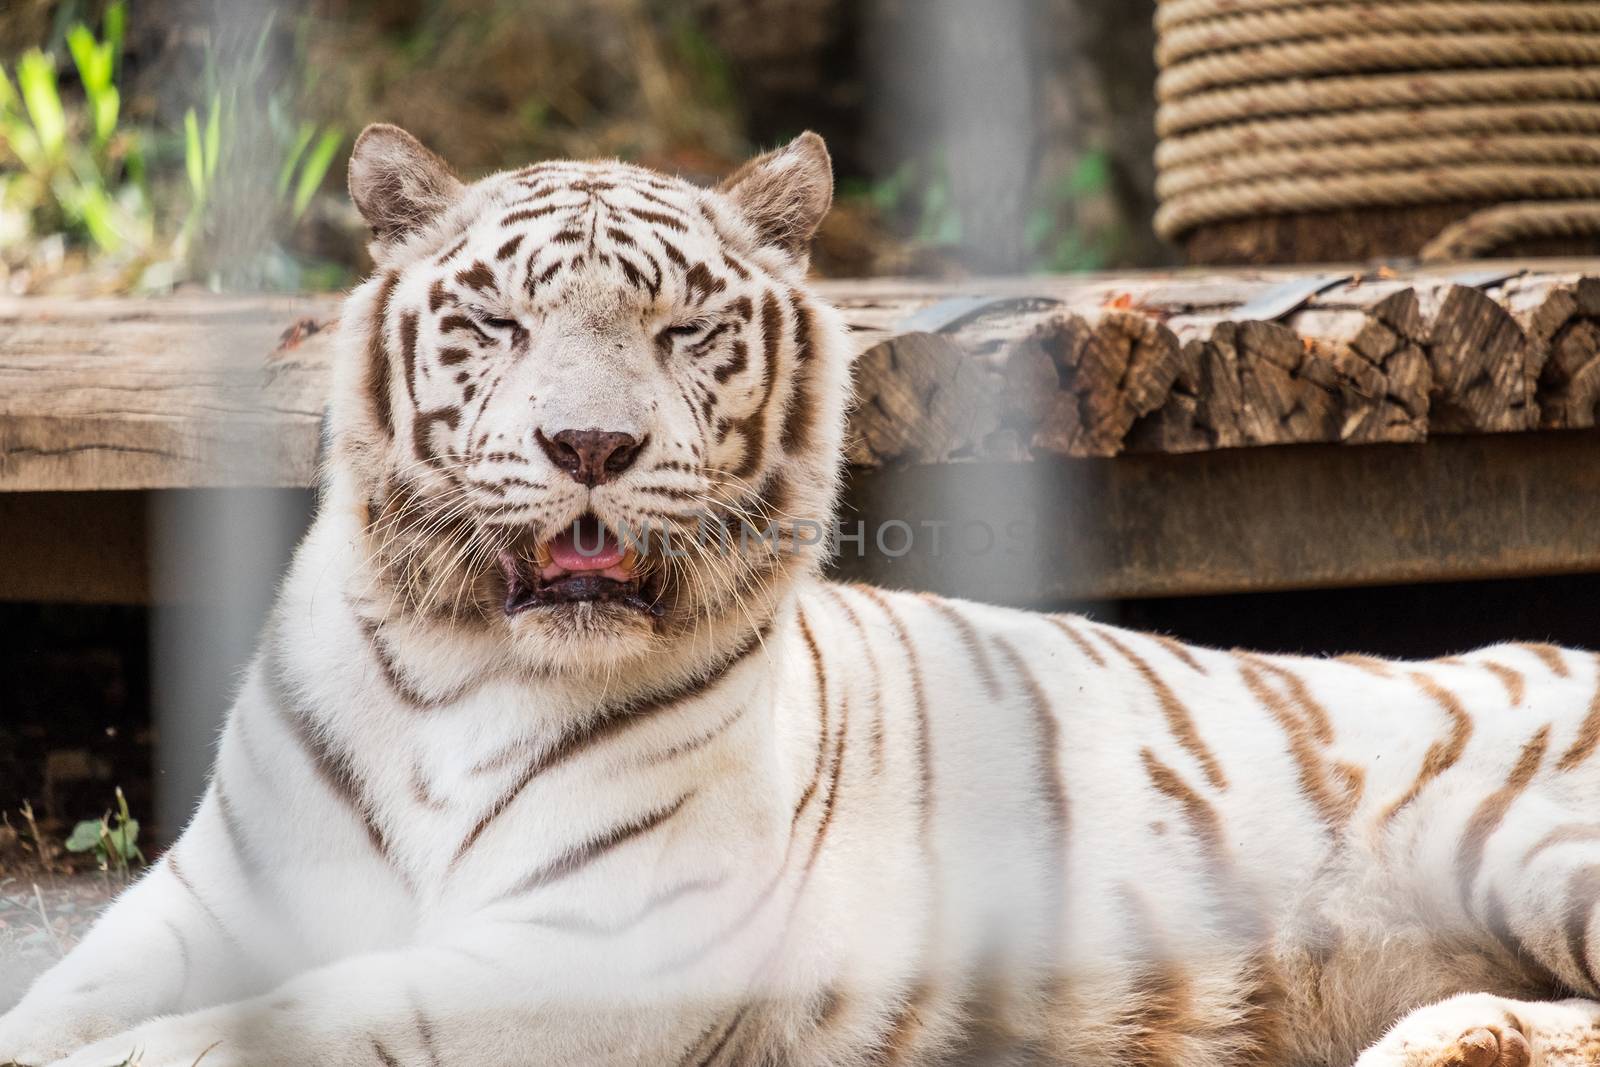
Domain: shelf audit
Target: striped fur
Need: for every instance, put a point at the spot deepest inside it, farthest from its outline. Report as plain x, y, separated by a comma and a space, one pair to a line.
786, 821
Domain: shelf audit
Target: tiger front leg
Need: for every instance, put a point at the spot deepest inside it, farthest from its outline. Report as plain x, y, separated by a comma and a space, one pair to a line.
1483, 1030
481, 999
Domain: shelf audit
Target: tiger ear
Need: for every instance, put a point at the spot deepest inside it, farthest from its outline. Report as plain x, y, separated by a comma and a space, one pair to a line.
785, 193
397, 184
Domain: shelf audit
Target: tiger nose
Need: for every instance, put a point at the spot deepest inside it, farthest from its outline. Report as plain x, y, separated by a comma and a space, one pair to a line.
592, 457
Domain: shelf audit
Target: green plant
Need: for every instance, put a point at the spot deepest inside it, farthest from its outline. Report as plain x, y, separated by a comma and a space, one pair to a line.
79, 173
1055, 231
113, 838
252, 172
917, 196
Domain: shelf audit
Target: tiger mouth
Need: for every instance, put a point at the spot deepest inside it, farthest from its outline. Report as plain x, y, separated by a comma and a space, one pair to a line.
583, 564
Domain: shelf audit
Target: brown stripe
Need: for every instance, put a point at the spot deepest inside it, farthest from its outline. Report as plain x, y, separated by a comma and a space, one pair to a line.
1163, 1015
171, 860
184, 957
408, 349
674, 224
581, 925
698, 741
753, 428
1052, 790
1588, 732
335, 768
722, 1042
1565, 834
1552, 657
1204, 822
830, 803
1441, 755
450, 253
479, 276
801, 416
1380, 668
1316, 716
249, 865
875, 701
602, 727
1333, 806
396, 679
1498, 921
1238, 901
900, 1041
578, 857
927, 799
425, 1034
1181, 652
383, 1054
1082, 643
1583, 888
919, 703
422, 793
1052, 784
1179, 721
970, 642
1158, 1010
821, 679
378, 385
1516, 685
1492, 811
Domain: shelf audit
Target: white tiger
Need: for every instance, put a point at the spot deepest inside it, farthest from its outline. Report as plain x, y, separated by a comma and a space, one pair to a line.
494, 795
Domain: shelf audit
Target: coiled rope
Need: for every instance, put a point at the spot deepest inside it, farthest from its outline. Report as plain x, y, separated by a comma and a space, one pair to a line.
1286, 106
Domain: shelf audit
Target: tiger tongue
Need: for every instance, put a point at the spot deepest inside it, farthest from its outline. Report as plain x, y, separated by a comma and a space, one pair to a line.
577, 550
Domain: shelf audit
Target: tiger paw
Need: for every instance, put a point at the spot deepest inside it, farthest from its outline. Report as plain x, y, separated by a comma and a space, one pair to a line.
1472, 1030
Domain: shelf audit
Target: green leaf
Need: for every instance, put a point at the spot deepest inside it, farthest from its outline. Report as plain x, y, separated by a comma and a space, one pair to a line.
93, 63
99, 217
125, 839
214, 137
36, 76
85, 836
194, 160
115, 26
1092, 174
314, 171
302, 138
107, 103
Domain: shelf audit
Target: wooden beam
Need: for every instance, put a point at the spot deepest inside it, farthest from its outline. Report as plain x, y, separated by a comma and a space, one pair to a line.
1242, 520
145, 394
201, 391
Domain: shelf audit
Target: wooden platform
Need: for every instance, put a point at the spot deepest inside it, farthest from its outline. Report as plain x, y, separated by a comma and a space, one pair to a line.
1161, 434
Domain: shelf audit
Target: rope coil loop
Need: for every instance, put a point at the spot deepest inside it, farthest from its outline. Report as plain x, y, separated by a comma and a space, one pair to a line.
1271, 107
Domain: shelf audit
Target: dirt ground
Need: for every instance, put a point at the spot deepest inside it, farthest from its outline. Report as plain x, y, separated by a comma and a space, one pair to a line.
40, 919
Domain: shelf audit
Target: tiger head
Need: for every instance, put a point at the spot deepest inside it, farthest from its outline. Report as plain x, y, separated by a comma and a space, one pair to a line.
588, 409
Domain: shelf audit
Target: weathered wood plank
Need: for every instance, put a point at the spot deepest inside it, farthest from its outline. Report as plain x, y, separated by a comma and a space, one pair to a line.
196, 391
110, 394
1241, 520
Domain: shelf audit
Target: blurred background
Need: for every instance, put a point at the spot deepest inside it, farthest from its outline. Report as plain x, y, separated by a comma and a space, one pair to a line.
155, 144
